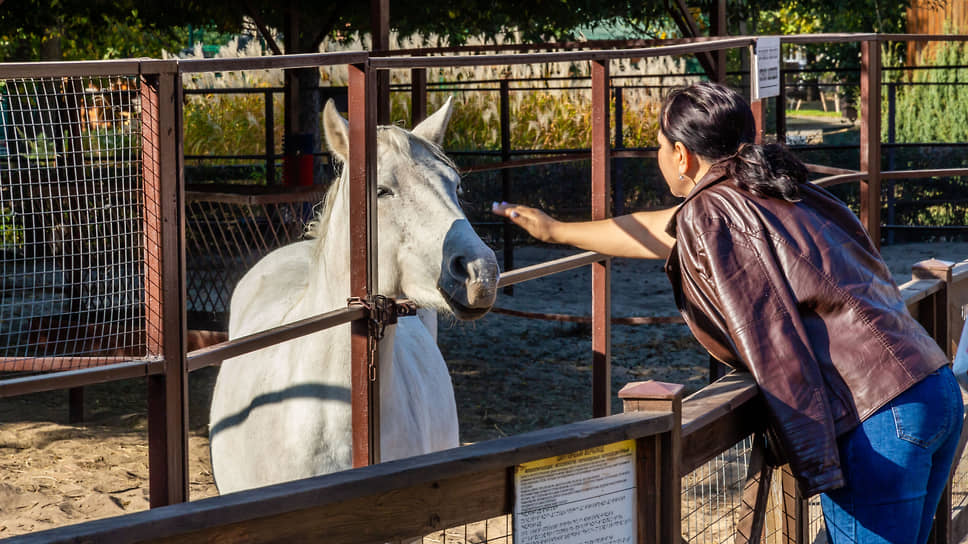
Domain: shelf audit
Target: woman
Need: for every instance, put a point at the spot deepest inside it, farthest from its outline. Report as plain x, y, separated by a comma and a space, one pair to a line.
776, 276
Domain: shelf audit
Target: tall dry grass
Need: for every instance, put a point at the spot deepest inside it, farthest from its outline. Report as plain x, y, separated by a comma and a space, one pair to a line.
544, 114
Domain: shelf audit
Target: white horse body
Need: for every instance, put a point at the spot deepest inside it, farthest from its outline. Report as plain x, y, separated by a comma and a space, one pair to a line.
284, 412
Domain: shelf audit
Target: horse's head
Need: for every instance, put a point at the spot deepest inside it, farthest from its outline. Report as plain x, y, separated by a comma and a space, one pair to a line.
428, 251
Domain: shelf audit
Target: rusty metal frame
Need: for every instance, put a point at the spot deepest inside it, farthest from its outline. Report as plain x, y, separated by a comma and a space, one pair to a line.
870, 137
364, 279
601, 270
167, 392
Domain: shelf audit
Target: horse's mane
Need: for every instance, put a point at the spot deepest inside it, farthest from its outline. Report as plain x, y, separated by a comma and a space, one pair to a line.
401, 141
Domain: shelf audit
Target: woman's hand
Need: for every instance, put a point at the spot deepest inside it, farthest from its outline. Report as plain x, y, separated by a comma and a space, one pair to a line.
533, 220
639, 235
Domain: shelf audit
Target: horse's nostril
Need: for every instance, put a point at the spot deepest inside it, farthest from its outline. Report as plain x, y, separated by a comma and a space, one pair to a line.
458, 267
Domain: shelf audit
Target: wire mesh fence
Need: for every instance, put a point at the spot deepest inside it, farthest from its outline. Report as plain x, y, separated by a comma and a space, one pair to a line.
713, 493
497, 530
72, 235
228, 233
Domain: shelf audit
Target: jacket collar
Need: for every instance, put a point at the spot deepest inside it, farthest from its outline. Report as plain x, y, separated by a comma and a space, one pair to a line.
717, 173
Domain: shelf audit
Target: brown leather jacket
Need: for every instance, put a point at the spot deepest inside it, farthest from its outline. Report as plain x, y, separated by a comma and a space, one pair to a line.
797, 294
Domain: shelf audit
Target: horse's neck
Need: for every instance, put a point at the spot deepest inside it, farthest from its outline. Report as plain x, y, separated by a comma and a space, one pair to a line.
329, 283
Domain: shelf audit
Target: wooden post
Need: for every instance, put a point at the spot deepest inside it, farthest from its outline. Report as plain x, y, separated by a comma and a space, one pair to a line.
939, 324
796, 510
664, 505
756, 492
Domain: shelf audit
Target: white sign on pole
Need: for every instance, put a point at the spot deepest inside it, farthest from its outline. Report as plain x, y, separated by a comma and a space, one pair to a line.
585, 497
766, 68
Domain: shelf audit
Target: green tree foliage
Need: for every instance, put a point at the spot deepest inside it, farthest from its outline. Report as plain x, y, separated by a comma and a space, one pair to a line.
931, 109
80, 30
835, 16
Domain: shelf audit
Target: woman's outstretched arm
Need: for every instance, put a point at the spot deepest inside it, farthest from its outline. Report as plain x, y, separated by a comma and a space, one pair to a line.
639, 235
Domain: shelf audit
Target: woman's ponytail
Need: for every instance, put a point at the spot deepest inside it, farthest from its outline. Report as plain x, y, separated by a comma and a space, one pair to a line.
767, 170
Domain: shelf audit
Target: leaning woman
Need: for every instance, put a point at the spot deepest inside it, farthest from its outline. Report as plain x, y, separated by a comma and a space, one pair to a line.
777, 277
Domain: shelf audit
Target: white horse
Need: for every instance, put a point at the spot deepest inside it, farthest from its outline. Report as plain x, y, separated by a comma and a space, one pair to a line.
283, 412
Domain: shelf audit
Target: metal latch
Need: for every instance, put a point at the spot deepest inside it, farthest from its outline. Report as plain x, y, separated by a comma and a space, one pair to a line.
382, 311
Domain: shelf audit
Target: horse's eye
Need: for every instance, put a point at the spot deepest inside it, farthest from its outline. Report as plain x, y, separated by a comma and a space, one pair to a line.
383, 191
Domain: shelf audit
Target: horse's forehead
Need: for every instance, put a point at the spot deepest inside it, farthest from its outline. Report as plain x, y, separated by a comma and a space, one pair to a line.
402, 156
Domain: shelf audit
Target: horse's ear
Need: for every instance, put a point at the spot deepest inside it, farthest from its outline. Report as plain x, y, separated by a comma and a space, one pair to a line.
434, 127
336, 131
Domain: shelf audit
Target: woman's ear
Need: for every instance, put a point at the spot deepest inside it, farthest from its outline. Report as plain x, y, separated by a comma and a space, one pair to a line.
683, 158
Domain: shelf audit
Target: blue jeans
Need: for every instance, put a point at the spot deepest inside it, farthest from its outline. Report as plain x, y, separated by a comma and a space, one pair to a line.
896, 464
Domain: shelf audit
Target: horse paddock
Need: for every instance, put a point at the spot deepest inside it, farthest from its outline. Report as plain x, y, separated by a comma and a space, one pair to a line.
511, 375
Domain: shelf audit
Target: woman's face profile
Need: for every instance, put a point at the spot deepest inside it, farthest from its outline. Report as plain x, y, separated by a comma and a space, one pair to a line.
669, 158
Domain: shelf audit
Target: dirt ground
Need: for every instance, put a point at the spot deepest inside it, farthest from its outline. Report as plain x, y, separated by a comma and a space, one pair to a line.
510, 374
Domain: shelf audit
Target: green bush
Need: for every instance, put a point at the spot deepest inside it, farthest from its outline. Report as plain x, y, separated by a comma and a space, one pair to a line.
930, 109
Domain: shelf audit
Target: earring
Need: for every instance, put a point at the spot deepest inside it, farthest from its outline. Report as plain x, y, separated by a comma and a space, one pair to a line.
680, 177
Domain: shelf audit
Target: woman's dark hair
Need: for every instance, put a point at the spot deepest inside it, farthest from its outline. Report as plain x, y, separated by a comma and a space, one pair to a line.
717, 124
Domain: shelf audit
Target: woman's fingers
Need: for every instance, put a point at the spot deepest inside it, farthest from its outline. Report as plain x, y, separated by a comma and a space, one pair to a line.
536, 222
504, 209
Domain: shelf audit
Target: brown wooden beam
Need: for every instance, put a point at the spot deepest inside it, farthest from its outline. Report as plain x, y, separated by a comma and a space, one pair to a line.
408, 497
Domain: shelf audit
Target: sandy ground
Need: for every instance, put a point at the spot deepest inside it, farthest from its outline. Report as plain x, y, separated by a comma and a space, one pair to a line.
510, 375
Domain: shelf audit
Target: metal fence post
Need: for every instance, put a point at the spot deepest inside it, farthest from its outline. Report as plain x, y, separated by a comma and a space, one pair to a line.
507, 232
363, 251
619, 182
781, 109
165, 285
891, 138
759, 109
270, 138
601, 271
666, 506
418, 95
870, 137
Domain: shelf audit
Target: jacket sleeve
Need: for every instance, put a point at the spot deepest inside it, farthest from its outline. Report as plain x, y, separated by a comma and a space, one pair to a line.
762, 319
